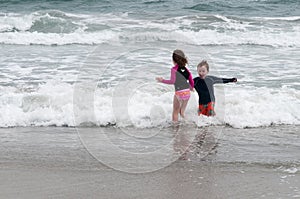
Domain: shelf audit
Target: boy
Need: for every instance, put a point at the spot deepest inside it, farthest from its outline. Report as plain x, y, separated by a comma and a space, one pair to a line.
205, 89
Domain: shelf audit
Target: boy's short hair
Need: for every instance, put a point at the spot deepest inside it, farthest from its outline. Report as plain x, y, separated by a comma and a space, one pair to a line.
203, 63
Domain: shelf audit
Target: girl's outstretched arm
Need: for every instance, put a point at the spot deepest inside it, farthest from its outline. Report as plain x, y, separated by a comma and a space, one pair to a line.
172, 78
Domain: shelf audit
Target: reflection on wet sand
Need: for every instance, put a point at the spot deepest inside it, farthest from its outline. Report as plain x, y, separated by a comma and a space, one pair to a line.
203, 144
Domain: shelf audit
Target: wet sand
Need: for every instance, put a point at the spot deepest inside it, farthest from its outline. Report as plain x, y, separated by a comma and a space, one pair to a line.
53, 163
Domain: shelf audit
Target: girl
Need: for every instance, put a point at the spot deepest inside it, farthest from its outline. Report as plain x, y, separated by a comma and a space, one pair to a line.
183, 82
204, 87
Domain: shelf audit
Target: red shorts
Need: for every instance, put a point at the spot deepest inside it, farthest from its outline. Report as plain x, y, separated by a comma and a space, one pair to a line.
207, 109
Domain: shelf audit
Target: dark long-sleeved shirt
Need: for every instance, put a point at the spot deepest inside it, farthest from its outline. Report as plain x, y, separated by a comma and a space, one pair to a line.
181, 78
205, 87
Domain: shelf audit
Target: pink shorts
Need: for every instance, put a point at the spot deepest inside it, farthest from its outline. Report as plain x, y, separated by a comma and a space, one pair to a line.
183, 94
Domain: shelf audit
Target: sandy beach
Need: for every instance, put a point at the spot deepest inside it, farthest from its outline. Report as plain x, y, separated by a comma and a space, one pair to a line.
53, 163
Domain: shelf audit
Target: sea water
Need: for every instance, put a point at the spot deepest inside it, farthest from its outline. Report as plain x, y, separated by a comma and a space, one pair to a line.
46, 47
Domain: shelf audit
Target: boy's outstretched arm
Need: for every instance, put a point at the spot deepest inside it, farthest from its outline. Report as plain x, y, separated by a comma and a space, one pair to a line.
227, 80
234, 79
223, 80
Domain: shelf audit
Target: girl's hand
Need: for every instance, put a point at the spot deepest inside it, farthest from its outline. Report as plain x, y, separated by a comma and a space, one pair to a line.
192, 89
159, 79
234, 79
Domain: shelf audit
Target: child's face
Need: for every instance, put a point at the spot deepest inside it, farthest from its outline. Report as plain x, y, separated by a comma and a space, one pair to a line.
202, 71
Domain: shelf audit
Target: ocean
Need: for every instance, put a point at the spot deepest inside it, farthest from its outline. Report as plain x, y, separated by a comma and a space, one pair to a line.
92, 64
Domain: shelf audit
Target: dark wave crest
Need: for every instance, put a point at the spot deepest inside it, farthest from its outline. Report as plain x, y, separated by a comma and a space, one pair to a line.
249, 8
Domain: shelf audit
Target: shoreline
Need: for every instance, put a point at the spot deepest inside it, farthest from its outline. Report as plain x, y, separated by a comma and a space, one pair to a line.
53, 163
179, 180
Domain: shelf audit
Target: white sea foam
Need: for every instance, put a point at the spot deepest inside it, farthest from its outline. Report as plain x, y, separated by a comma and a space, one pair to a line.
291, 170
252, 107
203, 37
28, 38
11, 21
293, 18
211, 37
52, 104
59, 28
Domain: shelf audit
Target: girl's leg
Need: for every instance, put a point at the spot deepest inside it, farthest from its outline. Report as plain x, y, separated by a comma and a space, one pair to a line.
183, 107
176, 109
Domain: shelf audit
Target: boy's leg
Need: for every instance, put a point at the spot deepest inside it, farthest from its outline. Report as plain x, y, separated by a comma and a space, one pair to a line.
201, 109
211, 109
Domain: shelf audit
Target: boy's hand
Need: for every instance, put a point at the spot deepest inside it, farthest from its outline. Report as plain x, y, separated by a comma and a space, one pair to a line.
234, 79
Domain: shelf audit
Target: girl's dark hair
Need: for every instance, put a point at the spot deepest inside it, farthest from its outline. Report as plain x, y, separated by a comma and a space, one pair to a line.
179, 58
203, 63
